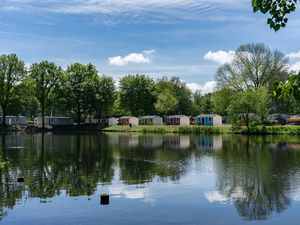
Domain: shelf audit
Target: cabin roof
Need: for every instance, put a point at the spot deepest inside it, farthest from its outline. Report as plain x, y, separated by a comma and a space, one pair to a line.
151, 117
176, 116
207, 115
127, 117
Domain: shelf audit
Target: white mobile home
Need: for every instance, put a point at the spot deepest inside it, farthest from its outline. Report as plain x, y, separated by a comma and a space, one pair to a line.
15, 120
55, 121
178, 120
128, 121
151, 120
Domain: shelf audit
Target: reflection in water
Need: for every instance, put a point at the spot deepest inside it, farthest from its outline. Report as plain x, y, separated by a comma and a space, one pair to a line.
257, 178
258, 174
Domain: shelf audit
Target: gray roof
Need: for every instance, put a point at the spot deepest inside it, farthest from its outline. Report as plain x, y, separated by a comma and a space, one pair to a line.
56, 117
207, 115
150, 117
127, 117
176, 116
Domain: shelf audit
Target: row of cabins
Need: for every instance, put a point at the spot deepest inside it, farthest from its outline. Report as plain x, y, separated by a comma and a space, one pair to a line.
125, 120
178, 120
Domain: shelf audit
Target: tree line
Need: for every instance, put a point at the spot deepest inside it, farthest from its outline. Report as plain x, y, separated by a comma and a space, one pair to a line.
245, 86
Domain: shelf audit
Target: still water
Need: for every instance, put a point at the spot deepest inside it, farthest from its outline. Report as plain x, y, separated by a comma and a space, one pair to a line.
151, 179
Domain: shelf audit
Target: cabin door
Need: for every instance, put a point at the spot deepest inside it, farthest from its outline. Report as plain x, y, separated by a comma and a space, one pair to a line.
202, 121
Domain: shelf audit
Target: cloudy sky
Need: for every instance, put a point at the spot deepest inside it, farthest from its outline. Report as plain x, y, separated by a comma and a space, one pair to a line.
185, 38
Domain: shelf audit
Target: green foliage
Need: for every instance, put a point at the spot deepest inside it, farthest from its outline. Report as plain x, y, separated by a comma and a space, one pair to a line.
45, 76
137, 94
166, 103
102, 95
246, 106
254, 65
289, 89
12, 72
221, 99
180, 91
78, 88
202, 103
278, 9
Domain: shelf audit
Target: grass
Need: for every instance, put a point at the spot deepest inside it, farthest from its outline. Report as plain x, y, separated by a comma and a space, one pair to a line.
274, 129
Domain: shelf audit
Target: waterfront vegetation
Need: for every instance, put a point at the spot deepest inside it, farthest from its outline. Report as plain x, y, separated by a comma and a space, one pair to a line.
224, 129
243, 93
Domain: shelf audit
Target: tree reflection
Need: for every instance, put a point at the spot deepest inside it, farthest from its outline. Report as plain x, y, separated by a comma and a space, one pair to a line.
257, 178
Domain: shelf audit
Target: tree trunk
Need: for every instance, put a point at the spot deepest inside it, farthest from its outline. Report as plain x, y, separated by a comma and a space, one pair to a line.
43, 117
78, 115
4, 117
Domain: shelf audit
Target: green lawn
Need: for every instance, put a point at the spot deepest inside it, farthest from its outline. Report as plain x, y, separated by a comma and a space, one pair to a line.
276, 129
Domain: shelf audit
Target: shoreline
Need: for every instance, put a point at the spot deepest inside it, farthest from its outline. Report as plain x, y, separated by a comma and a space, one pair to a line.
224, 129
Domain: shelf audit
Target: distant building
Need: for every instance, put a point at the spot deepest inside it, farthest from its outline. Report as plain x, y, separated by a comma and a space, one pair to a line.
209, 119
151, 120
14, 120
54, 121
111, 121
178, 120
128, 120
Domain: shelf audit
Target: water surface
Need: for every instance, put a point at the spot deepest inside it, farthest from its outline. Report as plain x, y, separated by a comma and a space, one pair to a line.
151, 179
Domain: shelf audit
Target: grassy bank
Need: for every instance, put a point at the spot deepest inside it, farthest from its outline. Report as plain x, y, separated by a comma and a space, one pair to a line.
277, 129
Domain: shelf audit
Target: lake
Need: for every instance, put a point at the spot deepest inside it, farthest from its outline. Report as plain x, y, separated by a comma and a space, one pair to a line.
151, 179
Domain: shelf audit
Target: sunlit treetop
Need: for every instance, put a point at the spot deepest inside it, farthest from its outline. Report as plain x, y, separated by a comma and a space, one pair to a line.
278, 10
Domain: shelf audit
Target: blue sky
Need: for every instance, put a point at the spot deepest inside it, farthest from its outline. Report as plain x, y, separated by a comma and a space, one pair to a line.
186, 38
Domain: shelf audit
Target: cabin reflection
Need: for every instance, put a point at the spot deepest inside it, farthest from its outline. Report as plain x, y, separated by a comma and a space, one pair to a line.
214, 143
177, 142
151, 141
128, 140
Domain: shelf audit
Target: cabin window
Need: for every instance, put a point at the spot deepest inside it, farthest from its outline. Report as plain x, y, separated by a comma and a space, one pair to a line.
177, 119
209, 119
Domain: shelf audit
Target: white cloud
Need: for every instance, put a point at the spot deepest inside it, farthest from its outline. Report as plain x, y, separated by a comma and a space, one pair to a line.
220, 57
206, 88
295, 67
185, 9
294, 55
132, 58
215, 196
150, 51
131, 192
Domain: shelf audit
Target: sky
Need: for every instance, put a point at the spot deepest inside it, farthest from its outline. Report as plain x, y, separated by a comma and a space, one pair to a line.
184, 38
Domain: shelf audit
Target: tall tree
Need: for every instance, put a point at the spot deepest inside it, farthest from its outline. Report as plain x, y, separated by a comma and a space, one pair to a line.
246, 105
137, 94
166, 103
12, 71
254, 65
103, 94
278, 9
78, 87
45, 76
180, 91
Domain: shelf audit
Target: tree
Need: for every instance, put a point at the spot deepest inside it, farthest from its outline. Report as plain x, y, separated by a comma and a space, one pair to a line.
202, 103
289, 89
137, 94
278, 9
246, 105
78, 88
103, 94
221, 99
180, 91
24, 101
254, 65
45, 76
12, 71
166, 103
